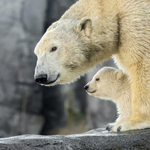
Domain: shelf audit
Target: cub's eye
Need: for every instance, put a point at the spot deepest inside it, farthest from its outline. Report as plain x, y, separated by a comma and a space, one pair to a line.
97, 79
53, 49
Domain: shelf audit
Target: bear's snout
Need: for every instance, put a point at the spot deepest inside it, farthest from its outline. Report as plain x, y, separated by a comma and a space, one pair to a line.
41, 78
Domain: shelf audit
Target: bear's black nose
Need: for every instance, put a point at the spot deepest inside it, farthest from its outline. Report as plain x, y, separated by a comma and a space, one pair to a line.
86, 87
41, 78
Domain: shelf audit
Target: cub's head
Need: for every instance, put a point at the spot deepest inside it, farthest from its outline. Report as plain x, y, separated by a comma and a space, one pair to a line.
63, 52
104, 83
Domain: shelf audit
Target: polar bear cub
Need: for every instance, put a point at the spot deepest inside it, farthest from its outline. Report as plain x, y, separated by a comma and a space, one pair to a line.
111, 84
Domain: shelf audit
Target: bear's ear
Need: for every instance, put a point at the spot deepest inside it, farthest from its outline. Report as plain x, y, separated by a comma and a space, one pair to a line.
118, 74
52, 26
85, 26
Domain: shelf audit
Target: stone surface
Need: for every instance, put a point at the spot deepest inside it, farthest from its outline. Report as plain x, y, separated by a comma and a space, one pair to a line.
93, 140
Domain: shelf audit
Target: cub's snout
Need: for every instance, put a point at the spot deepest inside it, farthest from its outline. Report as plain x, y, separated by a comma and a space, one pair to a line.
89, 89
86, 87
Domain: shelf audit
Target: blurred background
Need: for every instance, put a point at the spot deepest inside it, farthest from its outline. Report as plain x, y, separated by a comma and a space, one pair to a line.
25, 107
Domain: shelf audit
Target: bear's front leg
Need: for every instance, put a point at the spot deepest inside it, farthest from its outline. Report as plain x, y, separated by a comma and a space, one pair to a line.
133, 125
140, 88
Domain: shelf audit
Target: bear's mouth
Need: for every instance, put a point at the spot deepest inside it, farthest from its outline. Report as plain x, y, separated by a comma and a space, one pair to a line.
51, 82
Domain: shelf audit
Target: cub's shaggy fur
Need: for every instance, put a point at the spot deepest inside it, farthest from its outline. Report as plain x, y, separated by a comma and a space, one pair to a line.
111, 84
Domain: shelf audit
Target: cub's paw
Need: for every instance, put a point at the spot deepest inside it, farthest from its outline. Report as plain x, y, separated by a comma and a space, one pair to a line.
110, 126
133, 125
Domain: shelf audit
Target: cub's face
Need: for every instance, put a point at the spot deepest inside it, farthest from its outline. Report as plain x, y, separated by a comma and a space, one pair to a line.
105, 83
99, 85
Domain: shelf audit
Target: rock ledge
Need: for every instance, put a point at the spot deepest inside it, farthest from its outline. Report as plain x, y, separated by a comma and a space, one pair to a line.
98, 139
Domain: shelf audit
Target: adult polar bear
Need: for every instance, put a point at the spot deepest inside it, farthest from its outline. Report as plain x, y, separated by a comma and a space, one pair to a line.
92, 31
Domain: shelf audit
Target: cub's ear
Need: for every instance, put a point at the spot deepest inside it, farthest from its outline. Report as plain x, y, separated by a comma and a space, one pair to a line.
84, 26
118, 74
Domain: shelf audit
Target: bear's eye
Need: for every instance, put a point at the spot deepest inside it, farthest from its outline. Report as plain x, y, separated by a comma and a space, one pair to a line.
53, 49
97, 79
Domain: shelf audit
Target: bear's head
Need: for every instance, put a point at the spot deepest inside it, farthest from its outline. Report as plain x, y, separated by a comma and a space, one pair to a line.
105, 83
65, 52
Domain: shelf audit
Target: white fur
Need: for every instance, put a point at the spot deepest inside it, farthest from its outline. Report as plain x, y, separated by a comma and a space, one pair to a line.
113, 85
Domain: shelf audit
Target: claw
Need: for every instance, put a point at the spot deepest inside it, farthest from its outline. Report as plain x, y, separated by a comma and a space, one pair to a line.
109, 127
119, 129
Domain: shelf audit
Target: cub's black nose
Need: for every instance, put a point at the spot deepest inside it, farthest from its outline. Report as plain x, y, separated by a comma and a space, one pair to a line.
86, 87
41, 78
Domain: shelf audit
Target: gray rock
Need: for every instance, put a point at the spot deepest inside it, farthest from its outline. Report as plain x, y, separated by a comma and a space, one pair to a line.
93, 140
